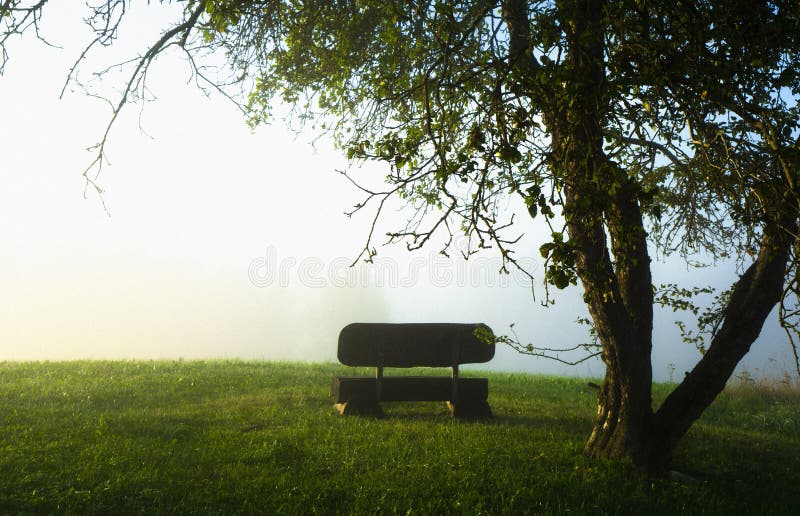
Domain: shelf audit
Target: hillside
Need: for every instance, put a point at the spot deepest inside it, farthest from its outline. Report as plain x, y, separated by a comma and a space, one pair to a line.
259, 437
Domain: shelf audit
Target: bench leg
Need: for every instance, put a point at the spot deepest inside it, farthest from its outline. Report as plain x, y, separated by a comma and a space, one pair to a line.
359, 408
474, 410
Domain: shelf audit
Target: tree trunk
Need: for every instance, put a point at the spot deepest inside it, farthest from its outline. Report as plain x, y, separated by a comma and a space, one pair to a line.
752, 299
618, 295
618, 292
623, 428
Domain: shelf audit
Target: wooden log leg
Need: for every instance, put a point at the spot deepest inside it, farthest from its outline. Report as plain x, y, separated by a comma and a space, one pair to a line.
359, 408
473, 410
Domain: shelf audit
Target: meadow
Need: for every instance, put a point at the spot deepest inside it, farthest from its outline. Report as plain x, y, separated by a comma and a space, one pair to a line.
221, 437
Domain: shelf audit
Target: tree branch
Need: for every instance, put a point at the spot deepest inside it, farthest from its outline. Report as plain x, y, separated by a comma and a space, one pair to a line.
751, 300
134, 82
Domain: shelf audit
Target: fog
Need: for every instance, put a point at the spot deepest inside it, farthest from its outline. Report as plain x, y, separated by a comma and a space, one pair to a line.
220, 242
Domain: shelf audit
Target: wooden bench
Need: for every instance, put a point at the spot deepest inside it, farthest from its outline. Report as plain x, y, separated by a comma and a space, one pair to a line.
412, 345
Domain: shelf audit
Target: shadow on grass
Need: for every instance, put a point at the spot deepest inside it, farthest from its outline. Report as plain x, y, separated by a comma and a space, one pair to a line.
572, 426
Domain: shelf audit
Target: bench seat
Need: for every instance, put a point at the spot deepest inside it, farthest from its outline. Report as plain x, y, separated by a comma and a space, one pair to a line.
408, 388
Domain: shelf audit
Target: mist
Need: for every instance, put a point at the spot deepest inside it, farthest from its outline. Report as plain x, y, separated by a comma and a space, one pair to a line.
214, 241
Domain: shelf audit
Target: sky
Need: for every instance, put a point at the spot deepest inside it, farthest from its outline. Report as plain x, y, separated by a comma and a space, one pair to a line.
222, 242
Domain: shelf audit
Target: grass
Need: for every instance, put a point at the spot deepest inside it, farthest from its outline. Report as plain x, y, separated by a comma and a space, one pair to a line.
256, 437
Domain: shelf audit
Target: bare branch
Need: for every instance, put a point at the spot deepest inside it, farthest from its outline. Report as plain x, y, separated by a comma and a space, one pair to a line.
136, 80
592, 350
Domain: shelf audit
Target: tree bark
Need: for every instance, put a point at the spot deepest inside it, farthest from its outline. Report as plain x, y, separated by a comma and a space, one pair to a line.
622, 429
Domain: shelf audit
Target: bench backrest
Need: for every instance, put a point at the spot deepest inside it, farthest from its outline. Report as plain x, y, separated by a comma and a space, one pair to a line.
412, 345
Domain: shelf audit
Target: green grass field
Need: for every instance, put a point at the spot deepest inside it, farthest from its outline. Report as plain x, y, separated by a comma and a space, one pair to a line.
257, 437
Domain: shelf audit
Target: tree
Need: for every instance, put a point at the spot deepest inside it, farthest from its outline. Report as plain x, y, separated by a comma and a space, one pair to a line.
626, 127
